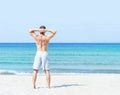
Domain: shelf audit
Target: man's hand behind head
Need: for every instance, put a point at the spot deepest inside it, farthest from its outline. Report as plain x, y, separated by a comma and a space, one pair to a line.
42, 30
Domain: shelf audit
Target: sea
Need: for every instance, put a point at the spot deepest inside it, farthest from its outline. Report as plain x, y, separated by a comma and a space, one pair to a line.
65, 58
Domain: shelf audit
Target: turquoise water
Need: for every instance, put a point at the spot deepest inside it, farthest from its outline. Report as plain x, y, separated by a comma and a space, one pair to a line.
72, 58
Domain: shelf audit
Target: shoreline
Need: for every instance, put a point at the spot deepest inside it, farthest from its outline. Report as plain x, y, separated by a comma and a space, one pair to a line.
59, 74
13, 72
65, 74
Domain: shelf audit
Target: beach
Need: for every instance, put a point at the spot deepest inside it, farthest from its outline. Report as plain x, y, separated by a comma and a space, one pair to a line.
83, 84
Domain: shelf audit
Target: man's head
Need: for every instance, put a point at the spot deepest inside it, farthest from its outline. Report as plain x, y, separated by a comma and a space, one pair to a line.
42, 29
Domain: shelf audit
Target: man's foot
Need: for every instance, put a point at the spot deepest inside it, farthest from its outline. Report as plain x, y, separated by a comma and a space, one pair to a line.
34, 87
49, 87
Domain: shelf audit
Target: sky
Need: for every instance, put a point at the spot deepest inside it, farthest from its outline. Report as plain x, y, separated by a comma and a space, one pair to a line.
76, 21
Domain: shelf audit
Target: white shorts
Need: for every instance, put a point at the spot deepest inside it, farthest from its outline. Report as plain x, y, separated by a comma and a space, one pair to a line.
41, 59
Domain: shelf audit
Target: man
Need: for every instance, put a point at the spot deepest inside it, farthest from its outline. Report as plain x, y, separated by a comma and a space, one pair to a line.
41, 58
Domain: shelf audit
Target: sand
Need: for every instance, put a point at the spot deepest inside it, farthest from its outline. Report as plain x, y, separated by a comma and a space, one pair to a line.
83, 84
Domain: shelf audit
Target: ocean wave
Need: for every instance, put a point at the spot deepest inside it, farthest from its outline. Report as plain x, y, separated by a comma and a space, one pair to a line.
13, 72
8, 72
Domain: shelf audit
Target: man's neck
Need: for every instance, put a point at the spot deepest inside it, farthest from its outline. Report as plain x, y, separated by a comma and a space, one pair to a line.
42, 34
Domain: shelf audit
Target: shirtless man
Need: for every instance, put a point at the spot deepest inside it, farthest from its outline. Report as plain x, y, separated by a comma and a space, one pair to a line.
41, 58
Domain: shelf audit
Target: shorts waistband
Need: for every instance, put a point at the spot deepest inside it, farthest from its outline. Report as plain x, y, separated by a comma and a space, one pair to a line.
41, 52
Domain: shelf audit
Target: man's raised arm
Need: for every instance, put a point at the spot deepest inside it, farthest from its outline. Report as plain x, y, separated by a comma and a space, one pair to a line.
53, 32
32, 32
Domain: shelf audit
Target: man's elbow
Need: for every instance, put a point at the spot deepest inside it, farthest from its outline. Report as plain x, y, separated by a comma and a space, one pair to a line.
30, 31
55, 31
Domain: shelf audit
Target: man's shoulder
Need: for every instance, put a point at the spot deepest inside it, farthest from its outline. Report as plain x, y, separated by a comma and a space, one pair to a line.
47, 37
37, 35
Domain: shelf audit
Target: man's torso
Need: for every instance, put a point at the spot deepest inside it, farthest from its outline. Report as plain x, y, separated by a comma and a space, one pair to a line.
42, 42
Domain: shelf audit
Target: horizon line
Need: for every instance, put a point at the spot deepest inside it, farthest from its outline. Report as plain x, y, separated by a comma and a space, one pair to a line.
63, 42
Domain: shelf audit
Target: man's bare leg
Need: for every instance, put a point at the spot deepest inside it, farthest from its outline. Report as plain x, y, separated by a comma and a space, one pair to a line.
35, 72
47, 72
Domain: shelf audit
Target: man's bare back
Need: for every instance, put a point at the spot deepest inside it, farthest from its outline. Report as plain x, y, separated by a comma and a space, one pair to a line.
42, 40
42, 43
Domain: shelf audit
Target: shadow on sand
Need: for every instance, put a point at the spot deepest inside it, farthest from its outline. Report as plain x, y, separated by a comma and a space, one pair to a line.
63, 85
67, 85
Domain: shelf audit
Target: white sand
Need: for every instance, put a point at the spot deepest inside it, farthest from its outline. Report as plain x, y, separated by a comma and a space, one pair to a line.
84, 84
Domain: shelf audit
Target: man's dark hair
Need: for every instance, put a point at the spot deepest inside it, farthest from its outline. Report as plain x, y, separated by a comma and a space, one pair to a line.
42, 27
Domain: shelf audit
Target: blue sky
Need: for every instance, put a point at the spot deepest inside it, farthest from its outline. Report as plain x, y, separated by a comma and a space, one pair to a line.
75, 20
